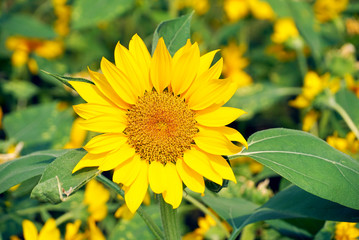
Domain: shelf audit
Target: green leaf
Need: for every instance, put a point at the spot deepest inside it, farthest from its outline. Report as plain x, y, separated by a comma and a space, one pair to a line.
350, 103
39, 127
26, 167
65, 79
175, 33
258, 97
290, 203
308, 162
88, 13
57, 182
27, 26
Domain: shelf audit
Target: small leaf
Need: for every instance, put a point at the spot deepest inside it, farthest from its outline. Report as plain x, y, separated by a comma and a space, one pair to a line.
308, 162
65, 79
175, 32
26, 167
57, 182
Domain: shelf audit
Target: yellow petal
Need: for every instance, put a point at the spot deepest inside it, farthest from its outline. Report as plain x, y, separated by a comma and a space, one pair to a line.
104, 124
29, 229
105, 142
103, 85
140, 52
206, 61
174, 190
217, 91
156, 177
127, 172
191, 178
135, 193
185, 69
117, 157
161, 67
127, 64
119, 82
222, 167
214, 142
90, 160
180, 51
90, 93
90, 110
203, 78
220, 117
198, 160
233, 135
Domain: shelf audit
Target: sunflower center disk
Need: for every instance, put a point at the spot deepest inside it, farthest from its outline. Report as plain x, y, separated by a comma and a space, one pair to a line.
160, 127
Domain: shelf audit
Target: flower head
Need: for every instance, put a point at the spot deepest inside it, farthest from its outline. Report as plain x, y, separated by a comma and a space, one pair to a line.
346, 231
284, 29
161, 119
48, 231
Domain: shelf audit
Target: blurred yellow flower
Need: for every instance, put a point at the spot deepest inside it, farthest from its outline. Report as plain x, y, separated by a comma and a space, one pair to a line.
23, 47
352, 84
280, 52
200, 6
238, 9
254, 166
348, 145
234, 63
77, 135
284, 29
162, 121
48, 231
96, 196
346, 231
63, 14
125, 213
352, 26
72, 231
313, 85
94, 233
326, 10
309, 120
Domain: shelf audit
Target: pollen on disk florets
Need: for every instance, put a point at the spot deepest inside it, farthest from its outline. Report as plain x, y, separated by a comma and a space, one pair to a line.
160, 127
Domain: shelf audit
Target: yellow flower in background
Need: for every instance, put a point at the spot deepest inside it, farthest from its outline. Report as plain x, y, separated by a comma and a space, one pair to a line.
326, 10
349, 144
234, 63
238, 9
352, 84
309, 120
162, 121
125, 213
23, 47
94, 233
63, 14
352, 26
199, 6
346, 231
77, 135
72, 231
284, 29
313, 85
48, 231
96, 197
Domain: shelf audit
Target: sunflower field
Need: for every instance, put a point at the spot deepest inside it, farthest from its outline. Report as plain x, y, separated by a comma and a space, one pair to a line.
179, 119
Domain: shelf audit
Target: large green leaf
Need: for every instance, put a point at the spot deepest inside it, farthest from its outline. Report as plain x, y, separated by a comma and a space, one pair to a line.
58, 182
290, 203
87, 13
175, 32
26, 25
258, 97
308, 162
26, 167
350, 103
39, 127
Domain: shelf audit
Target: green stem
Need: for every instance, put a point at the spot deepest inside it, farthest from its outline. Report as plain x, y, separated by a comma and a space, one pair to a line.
172, 8
302, 62
206, 211
65, 217
169, 220
146, 218
334, 105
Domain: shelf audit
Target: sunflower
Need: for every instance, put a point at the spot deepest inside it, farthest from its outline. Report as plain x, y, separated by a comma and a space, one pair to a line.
161, 119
